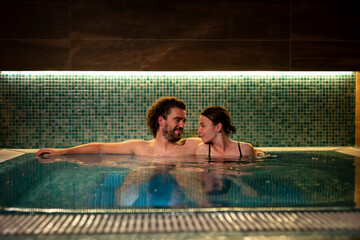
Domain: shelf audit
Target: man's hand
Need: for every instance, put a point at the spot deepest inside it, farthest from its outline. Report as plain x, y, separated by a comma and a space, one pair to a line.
47, 152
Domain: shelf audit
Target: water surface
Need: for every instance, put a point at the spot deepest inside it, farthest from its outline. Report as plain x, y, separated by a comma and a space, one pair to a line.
106, 183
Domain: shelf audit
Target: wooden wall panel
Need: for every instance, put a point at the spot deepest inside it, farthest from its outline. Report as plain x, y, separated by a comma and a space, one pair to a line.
167, 55
187, 19
34, 55
325, 55
34, 19
285, 35
325, 20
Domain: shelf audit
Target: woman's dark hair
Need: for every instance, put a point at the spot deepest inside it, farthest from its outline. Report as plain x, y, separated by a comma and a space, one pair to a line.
162, 108
220, 115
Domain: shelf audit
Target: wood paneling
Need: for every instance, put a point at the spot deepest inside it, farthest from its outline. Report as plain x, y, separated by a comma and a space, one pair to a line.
179, 35
167, 55
324, 20
325, 55
186, 19
34, 19
34, 55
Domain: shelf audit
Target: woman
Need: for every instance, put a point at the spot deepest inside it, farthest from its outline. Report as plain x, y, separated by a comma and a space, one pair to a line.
214, 130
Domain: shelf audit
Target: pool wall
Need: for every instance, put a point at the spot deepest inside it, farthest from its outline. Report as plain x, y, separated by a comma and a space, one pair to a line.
270, 109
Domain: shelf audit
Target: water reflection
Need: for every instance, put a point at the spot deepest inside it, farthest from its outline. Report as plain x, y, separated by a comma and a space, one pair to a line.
124, 181
165, 182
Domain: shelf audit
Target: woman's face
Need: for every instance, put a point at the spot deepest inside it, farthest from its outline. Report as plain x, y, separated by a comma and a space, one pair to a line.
207, 130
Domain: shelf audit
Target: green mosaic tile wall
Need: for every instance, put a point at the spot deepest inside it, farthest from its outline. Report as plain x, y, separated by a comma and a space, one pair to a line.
270, 109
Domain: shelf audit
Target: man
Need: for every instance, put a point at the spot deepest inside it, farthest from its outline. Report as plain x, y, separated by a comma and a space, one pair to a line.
166, 119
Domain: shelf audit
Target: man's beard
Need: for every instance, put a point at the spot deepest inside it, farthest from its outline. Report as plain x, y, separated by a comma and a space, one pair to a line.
170, 135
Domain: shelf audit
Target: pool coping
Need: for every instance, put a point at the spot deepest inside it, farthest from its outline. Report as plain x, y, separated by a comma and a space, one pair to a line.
330, 222
40, 222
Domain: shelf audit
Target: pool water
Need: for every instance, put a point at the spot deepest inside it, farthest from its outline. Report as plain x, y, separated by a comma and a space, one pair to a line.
110, 183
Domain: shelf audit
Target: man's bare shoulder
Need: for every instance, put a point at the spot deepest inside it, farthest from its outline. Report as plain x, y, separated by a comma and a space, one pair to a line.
125, 147
140, 147
138, 142
130, 142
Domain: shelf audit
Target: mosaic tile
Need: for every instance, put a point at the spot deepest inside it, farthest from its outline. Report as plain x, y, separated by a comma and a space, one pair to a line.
270, 109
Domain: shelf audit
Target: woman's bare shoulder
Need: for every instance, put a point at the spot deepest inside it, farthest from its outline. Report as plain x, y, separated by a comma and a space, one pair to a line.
247, 148
202, 149
245, 144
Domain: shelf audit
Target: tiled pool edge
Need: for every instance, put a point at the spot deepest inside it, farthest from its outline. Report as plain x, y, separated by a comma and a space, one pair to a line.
7, 154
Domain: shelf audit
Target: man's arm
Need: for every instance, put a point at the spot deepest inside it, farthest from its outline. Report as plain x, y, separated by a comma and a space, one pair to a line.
126, 147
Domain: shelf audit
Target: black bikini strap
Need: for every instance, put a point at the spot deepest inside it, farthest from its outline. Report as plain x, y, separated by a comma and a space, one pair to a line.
240, 149
209, 151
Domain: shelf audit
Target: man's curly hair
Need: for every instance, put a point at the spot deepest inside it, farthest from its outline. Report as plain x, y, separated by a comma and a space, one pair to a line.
162, 108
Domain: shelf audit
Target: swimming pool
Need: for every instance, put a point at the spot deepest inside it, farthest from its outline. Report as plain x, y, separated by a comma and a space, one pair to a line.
104, 187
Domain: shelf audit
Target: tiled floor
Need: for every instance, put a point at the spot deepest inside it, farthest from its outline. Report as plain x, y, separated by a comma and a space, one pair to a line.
6, 154
353, 151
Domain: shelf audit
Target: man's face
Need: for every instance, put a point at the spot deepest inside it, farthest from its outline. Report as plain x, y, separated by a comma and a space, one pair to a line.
174, 125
